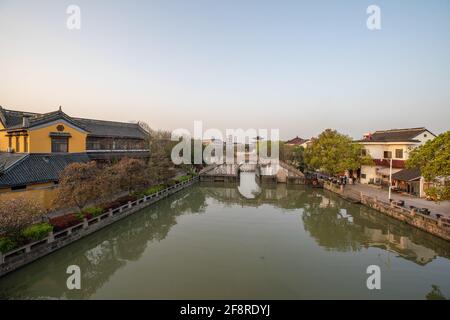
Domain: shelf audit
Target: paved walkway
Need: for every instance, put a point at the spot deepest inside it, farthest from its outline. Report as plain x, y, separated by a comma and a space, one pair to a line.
442, 208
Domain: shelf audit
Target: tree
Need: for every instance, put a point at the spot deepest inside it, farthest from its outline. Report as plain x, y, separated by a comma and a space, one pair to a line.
144, 126
130, 174
433, 160
17, 214
79, 184
334, 153
160, 163
294, 155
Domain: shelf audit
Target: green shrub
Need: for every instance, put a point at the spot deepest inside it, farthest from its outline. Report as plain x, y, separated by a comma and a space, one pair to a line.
93, 211
170, 183
7, 244
37, 231
139, 194
153, 190
182, 178
81, 215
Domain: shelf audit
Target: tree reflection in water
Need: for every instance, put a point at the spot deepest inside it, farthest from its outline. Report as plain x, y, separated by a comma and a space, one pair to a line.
333, 223
337, 224
98, 258
435, 294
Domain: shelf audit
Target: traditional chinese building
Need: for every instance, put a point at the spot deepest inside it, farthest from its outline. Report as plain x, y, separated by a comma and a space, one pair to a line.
298, 142
35, 148
386, 146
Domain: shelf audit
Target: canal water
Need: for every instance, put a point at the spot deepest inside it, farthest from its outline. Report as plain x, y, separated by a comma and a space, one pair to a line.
244, 241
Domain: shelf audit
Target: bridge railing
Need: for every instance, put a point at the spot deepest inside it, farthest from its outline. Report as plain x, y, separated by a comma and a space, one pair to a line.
291, 168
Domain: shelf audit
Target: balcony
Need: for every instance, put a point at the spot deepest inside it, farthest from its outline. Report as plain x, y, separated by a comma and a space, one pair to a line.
398, 164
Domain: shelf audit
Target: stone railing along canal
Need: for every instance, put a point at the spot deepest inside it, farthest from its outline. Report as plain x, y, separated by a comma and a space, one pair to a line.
19, 257
439, 227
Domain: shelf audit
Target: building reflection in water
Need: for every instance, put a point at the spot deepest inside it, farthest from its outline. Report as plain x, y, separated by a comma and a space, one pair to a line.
248, 186
339, 225
332, 222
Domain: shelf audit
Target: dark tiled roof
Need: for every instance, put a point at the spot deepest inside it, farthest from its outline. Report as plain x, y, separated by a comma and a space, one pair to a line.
11, 118
14, 119
7, 159
407, 174
296, 141
102, 128
99, 128
394, 135
38, 168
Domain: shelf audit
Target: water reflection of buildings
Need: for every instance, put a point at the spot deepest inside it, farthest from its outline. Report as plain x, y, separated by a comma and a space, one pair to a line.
339, 225
400, 245
371, 229
331, 221
248, 186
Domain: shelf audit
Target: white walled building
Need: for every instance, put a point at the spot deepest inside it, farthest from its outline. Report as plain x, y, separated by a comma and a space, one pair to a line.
395, 144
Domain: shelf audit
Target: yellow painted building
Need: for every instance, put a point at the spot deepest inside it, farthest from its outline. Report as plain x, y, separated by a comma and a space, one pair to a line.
35, 148
50, 133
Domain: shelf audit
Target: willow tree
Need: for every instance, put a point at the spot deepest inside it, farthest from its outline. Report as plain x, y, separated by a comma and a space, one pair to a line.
334, 153
433, 160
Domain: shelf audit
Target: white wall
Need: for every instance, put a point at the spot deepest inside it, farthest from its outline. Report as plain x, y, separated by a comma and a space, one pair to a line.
424, 137
371, 172
376, 151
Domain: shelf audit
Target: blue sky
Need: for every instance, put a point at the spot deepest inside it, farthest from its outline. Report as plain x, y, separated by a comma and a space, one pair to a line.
294, 65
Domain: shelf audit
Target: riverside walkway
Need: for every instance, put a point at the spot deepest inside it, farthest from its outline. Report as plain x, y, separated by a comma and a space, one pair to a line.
442, 208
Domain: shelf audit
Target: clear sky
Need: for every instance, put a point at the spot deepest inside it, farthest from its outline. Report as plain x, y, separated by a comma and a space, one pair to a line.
300, 66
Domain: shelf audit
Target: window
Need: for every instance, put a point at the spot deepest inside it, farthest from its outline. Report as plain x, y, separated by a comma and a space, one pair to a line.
387, 154
60, 144
363, 176
399, 153
363, 152
425, 135
17, 144
25, 144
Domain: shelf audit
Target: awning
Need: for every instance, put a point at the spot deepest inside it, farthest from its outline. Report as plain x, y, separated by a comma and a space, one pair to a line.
407, 175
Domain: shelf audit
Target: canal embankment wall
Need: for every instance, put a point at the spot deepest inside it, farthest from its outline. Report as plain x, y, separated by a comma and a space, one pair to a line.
439, 227
24, 255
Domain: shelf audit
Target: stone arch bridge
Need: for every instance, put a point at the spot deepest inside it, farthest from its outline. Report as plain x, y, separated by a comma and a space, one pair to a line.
274, 172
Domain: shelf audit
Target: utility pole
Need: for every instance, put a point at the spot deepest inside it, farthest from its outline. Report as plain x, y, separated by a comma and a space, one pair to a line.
390, 179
